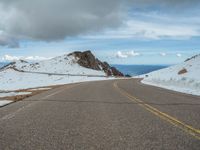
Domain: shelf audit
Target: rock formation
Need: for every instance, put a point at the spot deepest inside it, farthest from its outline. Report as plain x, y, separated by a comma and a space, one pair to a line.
88, 60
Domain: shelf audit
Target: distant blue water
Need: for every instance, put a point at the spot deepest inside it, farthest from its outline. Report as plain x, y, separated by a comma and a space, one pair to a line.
138, 69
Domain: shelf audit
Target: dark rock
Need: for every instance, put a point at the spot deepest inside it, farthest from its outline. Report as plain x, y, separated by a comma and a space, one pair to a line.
23, 61
182, 71
193, 57
88, 60
115, 72
10, 64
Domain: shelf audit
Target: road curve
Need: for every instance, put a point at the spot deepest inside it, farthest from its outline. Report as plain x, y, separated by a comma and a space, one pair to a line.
114, 114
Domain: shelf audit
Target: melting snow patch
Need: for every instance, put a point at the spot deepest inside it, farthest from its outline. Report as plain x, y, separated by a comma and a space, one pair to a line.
38, 89
6, 94
12, 80
4, 102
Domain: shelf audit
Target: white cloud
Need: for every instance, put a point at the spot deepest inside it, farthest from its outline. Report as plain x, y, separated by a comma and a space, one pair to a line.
179, 55
153, 26
9, 58
163, 54
121, 54
56, 20
29, 58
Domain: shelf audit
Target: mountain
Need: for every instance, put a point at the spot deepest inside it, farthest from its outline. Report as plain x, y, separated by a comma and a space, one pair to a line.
183, 77
68, 68
87, 59
2, 64
76, 63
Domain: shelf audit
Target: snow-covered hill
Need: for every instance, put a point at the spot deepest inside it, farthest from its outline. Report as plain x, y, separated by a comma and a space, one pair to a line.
14, 80
184, 77
59, 65
59, 70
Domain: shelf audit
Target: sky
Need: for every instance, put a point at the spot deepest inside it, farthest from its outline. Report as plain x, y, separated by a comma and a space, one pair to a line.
116, 31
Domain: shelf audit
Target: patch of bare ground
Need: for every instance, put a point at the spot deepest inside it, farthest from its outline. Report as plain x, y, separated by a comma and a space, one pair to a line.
33, 92
182, 71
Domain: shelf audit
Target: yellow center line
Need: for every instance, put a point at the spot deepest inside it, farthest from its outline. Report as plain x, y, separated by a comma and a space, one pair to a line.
187, 128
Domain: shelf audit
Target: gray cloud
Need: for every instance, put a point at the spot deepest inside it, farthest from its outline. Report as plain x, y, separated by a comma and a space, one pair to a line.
172, 3
8, 41
53, 20
50, 20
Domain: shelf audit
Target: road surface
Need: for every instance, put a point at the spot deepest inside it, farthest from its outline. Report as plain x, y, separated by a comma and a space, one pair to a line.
111, 115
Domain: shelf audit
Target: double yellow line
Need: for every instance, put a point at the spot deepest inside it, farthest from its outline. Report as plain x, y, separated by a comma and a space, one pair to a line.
187, 128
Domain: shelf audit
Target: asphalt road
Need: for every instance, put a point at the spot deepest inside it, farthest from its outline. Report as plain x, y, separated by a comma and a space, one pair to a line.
110, 115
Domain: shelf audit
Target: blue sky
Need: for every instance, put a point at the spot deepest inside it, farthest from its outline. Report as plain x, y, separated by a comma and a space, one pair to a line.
122, 32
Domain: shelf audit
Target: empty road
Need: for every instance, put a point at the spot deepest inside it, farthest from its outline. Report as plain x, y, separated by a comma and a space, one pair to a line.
108, 115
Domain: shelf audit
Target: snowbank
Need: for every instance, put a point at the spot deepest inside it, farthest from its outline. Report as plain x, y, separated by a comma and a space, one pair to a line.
6, 94
184, 77
14, 80
4, 102
39, 89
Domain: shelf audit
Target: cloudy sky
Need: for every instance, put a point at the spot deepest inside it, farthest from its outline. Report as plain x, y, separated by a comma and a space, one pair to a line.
117, 31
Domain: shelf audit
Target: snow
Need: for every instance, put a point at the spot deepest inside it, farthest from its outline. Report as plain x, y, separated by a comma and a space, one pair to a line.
59, 65
6, 94
56, 71
38, 89
170, 78
14, 80
4, 102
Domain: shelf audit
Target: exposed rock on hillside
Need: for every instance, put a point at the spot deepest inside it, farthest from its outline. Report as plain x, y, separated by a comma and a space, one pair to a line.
88, 60
182, 71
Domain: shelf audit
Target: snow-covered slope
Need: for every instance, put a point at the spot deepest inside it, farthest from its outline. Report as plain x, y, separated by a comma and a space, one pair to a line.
60, 65
14, 80
184, 77
59, 70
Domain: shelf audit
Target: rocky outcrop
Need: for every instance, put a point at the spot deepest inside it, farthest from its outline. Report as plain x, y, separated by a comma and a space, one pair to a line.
12, 65
193, 57
88, 60
182, 71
